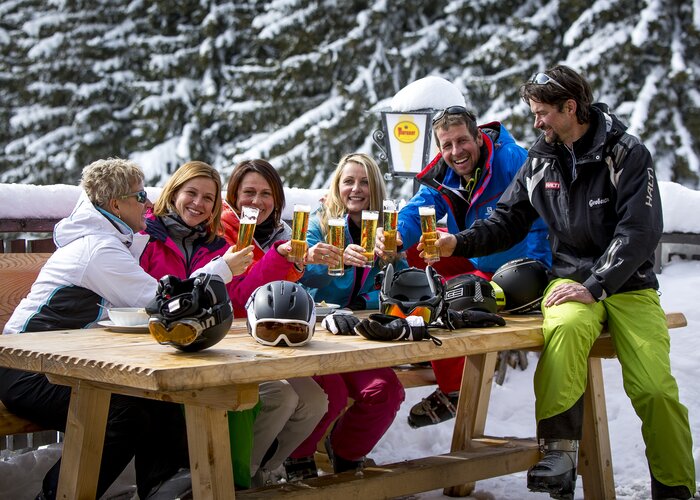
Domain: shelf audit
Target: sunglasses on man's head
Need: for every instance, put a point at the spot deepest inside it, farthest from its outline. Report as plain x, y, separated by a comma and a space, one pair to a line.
141, 196
544, 79
453, 110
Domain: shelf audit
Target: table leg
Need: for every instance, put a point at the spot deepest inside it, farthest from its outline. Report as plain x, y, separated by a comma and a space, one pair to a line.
472, 408
84, 438
210, 453
595, 459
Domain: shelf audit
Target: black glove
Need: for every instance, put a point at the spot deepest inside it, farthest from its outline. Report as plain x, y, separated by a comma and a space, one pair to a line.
473, 319
384, 327
340, 324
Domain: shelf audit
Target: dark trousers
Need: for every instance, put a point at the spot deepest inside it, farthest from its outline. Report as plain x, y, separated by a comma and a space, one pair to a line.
152, 431
566, 425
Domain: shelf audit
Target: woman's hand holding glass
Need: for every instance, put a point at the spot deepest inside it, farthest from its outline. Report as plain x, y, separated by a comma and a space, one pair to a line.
354, 255
324, 254
379, 248
239, 260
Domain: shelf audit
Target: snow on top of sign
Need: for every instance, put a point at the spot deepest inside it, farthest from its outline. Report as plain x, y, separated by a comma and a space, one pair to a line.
431, 92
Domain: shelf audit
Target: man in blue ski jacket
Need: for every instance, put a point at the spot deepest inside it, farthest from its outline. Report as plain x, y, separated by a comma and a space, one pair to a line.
464, 182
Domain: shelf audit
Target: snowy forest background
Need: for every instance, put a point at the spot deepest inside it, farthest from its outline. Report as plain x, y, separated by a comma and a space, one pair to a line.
299, 82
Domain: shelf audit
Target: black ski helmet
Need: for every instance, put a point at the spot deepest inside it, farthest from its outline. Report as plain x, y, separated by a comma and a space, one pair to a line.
408, 289
190, 314
469, 291
281, 313
523, 282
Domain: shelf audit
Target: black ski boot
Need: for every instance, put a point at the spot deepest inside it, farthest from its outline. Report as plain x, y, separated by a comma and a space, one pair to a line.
556, 472
660, 491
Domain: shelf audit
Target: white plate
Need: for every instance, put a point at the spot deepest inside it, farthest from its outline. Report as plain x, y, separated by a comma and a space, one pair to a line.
123, 329
325, 310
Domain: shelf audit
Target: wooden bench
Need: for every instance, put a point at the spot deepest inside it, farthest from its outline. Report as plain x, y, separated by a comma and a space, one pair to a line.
17, 273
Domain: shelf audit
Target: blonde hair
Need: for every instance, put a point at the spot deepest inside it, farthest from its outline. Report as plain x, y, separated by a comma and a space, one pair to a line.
333, 205
105, 180
187, 172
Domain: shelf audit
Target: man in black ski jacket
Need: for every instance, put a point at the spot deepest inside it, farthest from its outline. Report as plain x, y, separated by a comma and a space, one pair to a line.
594, 186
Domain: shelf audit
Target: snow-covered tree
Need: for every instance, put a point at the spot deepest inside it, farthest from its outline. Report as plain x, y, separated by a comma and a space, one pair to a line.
294, 81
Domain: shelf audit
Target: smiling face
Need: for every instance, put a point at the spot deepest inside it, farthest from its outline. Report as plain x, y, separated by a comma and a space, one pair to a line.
557, 125
255, 191
130, 211
354, 188
194, 201
459, 149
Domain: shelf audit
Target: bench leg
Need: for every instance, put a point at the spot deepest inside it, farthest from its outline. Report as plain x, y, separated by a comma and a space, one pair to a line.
595, 459
472, 408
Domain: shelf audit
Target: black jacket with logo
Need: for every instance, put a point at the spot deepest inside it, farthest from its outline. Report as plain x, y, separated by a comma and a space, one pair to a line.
600, 201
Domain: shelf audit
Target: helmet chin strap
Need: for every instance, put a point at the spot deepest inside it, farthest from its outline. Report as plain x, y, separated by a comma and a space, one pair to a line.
388, 279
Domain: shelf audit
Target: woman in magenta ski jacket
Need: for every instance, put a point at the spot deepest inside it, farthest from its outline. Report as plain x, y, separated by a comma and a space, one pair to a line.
184, 233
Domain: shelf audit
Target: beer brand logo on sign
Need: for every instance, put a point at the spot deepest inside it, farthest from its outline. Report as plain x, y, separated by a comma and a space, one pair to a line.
406, 132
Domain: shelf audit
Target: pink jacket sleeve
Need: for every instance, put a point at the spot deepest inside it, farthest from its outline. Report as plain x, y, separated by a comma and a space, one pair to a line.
271, 267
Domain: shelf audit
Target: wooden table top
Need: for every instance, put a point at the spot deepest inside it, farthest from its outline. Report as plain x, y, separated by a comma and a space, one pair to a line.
138, 361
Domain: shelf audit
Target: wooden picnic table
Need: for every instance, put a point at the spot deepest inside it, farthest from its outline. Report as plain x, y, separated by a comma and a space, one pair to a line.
96, 363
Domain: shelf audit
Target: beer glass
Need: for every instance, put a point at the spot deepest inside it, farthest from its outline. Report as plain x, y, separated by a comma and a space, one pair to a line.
368, 233
336, 237
300, 224
248, 220
428, 227
391, 218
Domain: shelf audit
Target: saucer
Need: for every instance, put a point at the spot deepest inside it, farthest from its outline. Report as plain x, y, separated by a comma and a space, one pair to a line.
109, 325
325, 309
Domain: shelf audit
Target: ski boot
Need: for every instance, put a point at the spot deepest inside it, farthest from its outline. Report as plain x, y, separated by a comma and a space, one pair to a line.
556, 472
660, 491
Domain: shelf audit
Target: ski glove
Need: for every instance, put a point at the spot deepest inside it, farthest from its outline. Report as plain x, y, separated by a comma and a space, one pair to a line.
384, 327
340, 324
470, 318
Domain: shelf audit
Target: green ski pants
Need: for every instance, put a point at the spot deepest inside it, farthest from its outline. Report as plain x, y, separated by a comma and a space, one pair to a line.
637, 325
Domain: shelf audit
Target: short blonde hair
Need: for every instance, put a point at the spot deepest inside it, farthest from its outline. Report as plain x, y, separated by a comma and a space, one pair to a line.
334, 207
183, 174
105, 180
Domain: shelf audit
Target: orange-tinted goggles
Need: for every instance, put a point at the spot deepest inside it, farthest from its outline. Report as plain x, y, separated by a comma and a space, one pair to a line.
395, 310
277, 331
182, 332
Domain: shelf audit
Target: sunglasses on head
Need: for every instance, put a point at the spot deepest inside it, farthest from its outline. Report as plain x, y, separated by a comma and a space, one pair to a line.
425, 312
453, 110
288, 332
544, 79
141, 196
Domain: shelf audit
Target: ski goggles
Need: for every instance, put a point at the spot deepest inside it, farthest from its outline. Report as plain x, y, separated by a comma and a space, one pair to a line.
286, 332
141, 196
544, 79
453, 110
424, 311
181, 332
